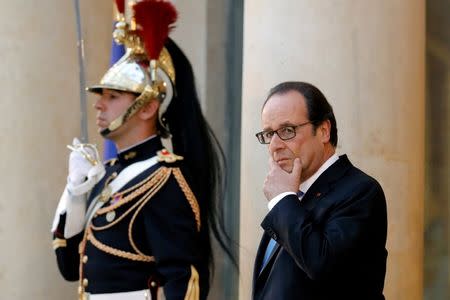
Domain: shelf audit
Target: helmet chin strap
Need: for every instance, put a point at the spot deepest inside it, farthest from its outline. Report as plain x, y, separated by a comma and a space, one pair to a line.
161, 91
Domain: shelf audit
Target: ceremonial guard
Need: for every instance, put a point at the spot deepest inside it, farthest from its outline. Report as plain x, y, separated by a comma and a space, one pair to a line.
138, 227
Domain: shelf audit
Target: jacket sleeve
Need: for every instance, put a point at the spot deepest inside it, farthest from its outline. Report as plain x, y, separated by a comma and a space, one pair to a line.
334, 232
173, 237
66, 251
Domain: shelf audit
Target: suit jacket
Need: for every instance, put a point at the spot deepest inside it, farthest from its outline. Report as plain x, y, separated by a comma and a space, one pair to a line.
164, 228
330, 245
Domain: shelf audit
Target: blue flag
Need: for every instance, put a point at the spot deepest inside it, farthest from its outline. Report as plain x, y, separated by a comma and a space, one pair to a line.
117, 51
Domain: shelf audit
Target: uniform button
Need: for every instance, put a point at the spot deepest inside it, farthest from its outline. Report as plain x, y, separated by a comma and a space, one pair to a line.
153, 284
85, 282
85, 259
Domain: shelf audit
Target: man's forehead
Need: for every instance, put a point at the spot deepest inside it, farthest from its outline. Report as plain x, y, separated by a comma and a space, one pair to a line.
284, 109
286, 99
286, 104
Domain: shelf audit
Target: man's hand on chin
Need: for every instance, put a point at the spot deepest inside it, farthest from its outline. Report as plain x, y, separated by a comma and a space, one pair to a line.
279, 181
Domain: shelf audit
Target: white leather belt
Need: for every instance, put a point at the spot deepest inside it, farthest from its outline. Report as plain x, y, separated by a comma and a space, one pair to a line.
135, 295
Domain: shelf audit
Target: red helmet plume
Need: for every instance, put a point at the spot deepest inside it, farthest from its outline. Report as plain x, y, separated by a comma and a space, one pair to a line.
155, 18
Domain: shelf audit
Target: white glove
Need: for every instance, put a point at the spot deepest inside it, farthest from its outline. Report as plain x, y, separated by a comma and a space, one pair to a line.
85, 168
79, 166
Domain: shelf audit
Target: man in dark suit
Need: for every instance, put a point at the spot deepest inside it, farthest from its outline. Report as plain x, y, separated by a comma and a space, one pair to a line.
325, 233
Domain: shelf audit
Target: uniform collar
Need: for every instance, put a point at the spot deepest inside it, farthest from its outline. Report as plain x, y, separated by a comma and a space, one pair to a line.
140, 151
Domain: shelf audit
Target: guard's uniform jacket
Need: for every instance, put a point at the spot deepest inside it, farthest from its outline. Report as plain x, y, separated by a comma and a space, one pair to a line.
145, 235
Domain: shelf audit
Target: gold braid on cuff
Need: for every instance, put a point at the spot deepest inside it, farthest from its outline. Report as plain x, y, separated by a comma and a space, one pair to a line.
58, 243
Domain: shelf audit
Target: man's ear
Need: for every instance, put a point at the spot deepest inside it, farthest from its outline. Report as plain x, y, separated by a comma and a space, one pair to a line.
150, 110
324, 131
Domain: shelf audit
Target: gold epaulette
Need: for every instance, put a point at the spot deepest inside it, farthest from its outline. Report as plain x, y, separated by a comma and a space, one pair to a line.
165, 156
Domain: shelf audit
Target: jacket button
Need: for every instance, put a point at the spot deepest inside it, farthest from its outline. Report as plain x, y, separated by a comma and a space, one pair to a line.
85, 282
85, 259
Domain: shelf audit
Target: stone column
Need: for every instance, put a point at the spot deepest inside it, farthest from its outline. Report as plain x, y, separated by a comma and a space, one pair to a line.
40, 115
368, 59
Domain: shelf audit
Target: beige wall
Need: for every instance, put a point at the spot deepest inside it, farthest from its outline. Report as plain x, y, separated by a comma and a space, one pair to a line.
190, 33
40, 115
368, 59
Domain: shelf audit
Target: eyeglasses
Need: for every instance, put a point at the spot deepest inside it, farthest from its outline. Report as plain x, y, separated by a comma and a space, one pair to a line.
285, 133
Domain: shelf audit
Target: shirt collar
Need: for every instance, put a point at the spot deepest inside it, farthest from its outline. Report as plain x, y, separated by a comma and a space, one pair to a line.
304, 186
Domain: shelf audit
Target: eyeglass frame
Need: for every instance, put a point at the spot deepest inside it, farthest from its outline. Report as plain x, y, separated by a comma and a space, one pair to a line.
261, 139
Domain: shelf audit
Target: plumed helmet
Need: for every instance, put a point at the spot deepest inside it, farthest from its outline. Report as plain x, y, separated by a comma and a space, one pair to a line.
146, 69
130, 73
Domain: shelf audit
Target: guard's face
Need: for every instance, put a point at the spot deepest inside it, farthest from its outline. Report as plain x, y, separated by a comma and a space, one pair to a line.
110, 105
289, 109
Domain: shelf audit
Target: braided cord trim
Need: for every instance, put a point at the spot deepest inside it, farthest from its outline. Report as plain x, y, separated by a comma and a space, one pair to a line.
149, 187
193, 287
117, 252
137, 189
141, 203
189, 195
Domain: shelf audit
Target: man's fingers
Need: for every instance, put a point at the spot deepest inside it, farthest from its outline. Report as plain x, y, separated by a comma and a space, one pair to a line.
273, 164
297, 168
